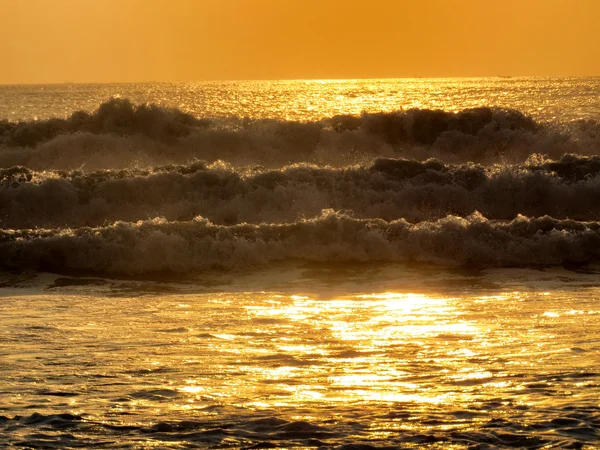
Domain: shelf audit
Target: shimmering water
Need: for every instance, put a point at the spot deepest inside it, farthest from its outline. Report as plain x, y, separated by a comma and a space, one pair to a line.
544, 98
336, 357
349, 264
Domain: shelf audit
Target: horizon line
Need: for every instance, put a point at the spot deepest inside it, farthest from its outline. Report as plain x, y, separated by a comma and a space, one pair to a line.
241, 80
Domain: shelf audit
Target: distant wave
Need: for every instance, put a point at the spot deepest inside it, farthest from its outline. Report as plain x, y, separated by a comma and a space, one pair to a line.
120, 134
183, 247
388, 189
116, 116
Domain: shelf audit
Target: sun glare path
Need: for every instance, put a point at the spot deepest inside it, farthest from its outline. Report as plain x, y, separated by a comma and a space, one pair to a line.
358, 348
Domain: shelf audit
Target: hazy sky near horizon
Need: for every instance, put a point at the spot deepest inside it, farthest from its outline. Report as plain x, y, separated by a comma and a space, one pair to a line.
44, 41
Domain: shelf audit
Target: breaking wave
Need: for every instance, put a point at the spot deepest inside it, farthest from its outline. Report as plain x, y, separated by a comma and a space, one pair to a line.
135, 189
120, 134
388, 189
179, 247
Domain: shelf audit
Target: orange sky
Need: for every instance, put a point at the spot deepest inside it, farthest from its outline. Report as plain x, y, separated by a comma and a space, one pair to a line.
46, 41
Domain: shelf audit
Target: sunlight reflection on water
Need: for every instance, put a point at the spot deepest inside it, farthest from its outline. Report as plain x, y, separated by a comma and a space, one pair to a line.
376, 328
440, 361
564, 98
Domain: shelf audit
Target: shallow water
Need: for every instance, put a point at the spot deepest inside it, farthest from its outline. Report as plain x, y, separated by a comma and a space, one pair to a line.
304, 357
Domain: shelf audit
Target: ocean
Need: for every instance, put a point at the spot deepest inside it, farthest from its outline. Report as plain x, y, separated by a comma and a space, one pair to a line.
334, 264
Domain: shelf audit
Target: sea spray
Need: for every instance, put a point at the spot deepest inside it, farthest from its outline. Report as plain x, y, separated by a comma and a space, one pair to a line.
161, 246
385, 188
119, 134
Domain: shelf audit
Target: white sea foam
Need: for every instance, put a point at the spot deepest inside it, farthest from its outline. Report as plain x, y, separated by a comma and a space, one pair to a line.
260, 186
159, 245
386, 188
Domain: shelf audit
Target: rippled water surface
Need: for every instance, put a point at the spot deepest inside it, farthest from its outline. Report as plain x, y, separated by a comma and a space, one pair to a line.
334, 356
544, 98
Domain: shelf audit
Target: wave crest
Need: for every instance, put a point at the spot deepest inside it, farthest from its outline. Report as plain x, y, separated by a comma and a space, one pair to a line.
182, 247
116, 116
387, 188
120, 134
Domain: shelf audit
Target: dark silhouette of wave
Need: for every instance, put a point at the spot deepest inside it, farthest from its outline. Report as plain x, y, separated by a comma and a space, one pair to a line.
387, 188
120, 134
141, 188
116, 116
183, 247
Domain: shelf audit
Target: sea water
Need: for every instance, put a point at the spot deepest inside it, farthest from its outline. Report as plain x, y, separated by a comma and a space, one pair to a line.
335, 264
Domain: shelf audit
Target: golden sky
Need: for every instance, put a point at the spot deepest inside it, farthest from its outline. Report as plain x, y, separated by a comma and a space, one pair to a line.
46, 41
